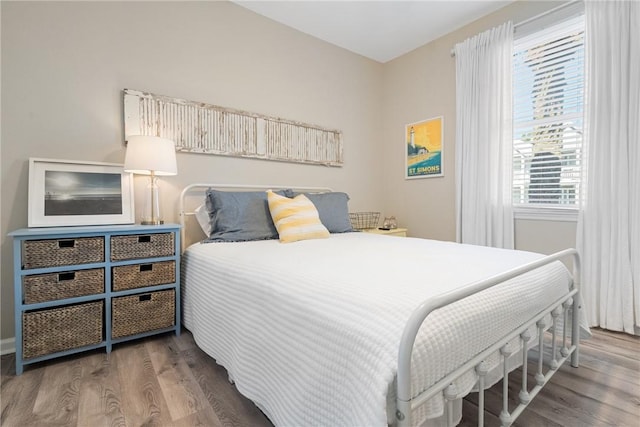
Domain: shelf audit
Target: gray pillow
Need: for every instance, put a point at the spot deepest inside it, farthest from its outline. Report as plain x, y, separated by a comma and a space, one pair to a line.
240, 216
333, 210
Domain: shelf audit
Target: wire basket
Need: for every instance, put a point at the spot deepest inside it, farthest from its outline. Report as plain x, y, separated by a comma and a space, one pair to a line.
364, 220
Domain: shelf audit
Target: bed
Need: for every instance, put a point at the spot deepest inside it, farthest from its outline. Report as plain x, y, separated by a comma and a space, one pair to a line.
359, 329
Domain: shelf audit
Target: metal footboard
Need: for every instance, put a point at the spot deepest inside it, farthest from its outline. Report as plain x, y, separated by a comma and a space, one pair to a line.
406, 403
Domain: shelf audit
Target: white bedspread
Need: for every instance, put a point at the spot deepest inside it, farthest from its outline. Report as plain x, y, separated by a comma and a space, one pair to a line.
310, 330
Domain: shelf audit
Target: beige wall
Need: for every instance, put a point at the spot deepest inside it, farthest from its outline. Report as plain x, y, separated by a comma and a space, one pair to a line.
64, 66
421, 85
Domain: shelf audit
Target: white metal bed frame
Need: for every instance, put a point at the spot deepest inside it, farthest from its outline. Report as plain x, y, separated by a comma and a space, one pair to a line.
405, 402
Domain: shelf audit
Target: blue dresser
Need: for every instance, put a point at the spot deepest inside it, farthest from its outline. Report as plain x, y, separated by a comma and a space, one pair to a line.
82, 288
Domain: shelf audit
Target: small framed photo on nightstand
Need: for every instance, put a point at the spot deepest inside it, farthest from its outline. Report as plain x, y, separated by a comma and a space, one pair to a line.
69, 192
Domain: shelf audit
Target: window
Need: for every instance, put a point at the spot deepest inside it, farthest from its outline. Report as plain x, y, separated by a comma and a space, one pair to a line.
548, 119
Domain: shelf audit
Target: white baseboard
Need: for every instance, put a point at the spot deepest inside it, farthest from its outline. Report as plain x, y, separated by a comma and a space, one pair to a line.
7, 346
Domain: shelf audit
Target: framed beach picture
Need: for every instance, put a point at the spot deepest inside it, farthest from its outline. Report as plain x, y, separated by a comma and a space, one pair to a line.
69, 192
424, 146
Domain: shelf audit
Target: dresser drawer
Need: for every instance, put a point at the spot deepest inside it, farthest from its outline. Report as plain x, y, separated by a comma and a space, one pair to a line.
62, 328
141, 275
137, 246
135, 314
66, 284
59, 252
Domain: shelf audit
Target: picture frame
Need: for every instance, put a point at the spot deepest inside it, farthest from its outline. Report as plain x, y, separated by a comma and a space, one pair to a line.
75, 193
424, 148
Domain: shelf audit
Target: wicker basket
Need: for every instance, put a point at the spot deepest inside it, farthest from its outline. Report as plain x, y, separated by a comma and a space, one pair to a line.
57, 329
137, 246
141, 275
364, 220
67, 284
135, 314
57, 252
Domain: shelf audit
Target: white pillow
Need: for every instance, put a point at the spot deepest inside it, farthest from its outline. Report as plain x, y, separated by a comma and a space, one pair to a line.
202, 215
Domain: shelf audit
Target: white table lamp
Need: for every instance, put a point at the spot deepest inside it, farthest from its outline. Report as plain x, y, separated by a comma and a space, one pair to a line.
153, 156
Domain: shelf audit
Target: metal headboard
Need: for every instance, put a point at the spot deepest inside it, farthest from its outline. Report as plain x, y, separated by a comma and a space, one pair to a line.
193, 190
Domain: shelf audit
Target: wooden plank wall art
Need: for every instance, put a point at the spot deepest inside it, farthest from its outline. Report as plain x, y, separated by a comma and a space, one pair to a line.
197, 127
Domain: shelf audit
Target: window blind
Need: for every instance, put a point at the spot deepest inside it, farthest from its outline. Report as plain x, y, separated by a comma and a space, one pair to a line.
548, 115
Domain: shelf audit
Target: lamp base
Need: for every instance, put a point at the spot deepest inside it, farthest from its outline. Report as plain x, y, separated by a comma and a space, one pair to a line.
151, 214
152, 222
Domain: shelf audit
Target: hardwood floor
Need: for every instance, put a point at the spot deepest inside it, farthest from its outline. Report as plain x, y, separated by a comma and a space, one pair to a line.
167, 381
159, 381
603, 391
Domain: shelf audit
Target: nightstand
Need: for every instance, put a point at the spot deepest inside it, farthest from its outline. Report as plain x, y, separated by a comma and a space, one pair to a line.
398, 232
82, 288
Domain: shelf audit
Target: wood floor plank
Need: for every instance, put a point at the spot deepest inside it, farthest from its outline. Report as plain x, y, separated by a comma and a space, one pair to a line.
603, 354
626, 345
581, 404
231, 407
100, 402
185, 341
181, 391
203, 418
18, 395
470, 415
561, 403
597, 386
144, 404
58, 394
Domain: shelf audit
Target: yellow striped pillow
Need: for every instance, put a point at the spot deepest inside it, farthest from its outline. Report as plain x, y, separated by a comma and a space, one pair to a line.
295, 219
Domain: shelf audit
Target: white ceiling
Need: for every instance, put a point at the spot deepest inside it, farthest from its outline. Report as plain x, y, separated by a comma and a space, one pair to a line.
381, 30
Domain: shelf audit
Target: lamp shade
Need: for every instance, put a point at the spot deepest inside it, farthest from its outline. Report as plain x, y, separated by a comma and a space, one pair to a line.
147, 154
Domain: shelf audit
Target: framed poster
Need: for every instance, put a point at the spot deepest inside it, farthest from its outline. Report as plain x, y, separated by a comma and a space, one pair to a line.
68, 192
424, 146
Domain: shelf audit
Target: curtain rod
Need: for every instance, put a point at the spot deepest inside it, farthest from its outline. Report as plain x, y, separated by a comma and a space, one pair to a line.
533, 18
540, 15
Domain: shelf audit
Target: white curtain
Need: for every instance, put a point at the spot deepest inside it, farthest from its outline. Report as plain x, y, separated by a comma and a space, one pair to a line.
609, 221
484, 210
